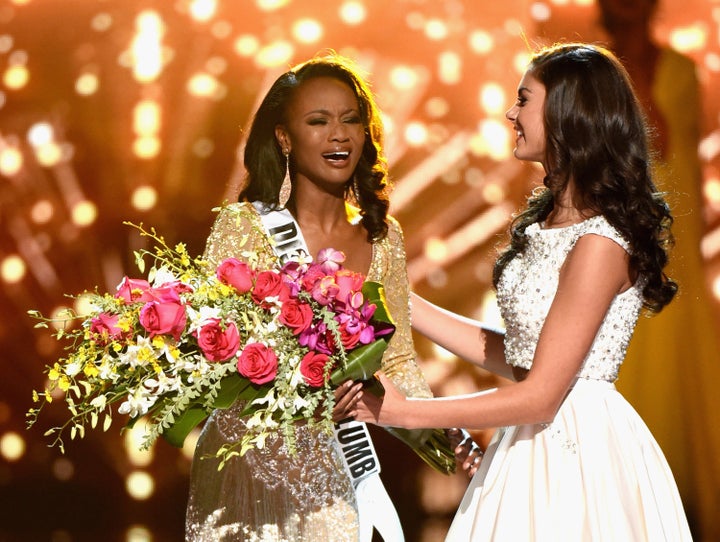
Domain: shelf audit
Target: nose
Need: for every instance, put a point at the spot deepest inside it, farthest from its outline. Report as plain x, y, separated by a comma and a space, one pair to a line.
338, 131
511, 114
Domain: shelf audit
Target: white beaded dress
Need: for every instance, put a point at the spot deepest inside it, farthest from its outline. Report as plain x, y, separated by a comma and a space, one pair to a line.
595, 473
271, 495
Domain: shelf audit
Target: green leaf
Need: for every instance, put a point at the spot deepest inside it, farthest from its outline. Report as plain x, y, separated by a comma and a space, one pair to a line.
185, 423
362, 363
251, 393
375, 293
231, 387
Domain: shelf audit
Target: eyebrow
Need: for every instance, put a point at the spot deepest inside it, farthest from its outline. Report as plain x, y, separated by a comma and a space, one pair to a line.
326, 112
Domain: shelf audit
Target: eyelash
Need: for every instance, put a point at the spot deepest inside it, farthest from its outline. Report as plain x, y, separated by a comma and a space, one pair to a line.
349, 120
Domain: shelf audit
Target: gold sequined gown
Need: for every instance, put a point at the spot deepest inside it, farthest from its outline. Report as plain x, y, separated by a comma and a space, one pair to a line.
593, 474
270, 495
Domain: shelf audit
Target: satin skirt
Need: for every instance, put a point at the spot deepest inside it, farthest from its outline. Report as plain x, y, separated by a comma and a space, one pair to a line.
595, 473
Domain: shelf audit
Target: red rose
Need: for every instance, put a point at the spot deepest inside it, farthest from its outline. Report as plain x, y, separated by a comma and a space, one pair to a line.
104, 327
312, 367
163, 318
132, 290
218, 342
350, 335
313, 274
235, 273
258, 363
296, 315
269, 284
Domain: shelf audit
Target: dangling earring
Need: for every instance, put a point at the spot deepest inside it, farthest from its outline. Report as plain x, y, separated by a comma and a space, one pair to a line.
356, 189
286, 186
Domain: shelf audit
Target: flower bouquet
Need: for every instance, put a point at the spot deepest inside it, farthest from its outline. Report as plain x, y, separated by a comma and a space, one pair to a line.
192, 338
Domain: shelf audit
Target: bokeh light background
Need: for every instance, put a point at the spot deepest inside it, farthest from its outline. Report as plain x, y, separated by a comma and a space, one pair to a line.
128, 110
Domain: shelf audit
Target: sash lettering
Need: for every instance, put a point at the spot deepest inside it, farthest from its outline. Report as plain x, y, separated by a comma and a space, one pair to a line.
357, 450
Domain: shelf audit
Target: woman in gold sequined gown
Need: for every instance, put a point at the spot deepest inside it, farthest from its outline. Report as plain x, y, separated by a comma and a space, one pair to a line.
317, 128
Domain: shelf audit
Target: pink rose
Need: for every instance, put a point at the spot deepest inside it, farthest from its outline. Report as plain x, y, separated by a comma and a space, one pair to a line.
269, 284
312, 367
168, 292
258, 363
235, 273
105, 329
218, 341
132, 290
160, 318
349, 286
296, 315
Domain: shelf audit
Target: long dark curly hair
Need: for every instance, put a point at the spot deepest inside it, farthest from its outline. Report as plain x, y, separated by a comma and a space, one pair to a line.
597, 138
264, 160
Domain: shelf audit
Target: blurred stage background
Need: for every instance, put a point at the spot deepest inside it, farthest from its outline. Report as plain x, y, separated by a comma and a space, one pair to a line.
114, 110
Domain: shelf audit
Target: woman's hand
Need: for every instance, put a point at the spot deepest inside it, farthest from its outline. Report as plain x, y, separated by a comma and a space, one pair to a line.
467, 453
346, 397
386, 410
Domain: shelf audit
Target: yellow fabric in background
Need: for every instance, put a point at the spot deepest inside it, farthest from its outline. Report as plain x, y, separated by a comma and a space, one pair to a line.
671, 375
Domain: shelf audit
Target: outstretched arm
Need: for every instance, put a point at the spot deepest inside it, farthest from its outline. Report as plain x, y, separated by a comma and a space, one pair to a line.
464, 337
595, 271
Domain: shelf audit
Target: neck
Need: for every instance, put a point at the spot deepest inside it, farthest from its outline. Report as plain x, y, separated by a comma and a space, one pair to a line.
320, 211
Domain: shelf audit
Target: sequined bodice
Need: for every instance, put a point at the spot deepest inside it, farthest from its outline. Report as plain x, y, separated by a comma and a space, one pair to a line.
527, 287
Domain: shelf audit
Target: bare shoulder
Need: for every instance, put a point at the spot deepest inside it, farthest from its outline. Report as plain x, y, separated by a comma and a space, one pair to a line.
596, 259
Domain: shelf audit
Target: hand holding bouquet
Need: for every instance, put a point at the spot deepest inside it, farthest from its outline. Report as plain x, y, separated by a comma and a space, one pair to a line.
191, 338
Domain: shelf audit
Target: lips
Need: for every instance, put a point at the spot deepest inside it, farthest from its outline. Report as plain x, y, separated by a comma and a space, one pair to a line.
518, 134
336, 156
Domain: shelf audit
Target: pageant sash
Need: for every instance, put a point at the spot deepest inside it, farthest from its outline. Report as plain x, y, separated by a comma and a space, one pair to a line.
283, 230
375, 508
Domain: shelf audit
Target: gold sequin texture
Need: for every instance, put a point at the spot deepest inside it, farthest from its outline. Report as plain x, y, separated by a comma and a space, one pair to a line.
271, 494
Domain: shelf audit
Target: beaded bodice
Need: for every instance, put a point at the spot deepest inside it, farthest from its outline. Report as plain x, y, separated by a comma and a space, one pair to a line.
527, 287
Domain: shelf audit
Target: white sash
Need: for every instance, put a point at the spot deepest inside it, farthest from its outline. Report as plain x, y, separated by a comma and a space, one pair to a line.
375, 508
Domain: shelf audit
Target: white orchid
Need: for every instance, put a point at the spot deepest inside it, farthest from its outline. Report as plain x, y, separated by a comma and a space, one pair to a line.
137, 403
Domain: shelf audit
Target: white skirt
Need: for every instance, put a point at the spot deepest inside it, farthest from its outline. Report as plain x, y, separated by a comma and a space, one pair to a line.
594, 474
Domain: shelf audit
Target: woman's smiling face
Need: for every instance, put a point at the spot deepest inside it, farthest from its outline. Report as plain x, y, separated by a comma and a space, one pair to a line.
324, 132
527, 118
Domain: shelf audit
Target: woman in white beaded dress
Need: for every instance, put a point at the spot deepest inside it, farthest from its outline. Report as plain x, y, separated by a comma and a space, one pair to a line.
571, 459
314, 148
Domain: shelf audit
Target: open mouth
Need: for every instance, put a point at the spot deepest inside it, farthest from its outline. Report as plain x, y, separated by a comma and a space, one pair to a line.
339, 156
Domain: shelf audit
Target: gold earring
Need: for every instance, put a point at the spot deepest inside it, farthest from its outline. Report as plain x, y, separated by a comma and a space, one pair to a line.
356, 189
286, 186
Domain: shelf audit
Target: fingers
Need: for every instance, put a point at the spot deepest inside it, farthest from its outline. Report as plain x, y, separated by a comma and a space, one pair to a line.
456, 438
474, 458
342, 390
346, 397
